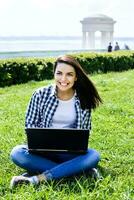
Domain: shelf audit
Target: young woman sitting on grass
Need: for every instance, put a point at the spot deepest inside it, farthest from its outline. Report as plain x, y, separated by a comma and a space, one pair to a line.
72, 91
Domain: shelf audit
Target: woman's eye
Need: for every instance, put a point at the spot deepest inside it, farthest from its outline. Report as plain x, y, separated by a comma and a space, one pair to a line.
70, 74
58, 73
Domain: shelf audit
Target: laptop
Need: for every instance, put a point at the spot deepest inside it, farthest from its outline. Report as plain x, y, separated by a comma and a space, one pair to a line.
57, 140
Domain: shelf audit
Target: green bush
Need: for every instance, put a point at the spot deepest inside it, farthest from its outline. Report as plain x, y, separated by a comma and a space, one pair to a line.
22, 70
16, 71
46, 69
106, 62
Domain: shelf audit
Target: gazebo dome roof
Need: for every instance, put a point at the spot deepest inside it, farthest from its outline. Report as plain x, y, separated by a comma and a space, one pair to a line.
98, 17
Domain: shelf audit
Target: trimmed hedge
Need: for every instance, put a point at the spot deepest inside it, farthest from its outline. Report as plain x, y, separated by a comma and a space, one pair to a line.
22, 70
106, 62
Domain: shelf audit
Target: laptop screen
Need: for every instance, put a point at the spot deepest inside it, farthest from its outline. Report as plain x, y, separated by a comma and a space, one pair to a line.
51, 139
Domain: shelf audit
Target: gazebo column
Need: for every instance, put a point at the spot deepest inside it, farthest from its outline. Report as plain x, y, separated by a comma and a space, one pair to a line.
91, 39
84, 39
105, 39
111, 36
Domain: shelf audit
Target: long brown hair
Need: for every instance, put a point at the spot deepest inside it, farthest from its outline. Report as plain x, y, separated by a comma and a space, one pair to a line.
85, 89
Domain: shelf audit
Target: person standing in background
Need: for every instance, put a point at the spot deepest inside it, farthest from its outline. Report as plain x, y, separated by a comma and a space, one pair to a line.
109, 47
126, 47
116, 48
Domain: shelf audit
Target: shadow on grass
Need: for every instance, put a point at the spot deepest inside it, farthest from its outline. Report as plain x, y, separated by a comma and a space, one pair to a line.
104, 172
75, 184
78, 183
83, 181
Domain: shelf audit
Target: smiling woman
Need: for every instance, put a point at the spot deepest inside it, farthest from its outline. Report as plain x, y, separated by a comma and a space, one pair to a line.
65, 77
67, 104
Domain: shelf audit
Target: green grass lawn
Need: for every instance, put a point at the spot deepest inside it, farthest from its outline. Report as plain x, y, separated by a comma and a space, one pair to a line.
112, 135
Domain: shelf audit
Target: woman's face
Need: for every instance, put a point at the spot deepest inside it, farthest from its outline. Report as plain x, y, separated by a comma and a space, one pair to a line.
65, 77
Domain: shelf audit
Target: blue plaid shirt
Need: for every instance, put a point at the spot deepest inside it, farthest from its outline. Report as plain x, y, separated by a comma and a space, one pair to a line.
43, 105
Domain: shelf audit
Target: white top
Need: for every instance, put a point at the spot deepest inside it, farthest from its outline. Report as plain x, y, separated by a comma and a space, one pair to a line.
65, 114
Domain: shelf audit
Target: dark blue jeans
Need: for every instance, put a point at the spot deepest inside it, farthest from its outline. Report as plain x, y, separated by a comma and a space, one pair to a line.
54, 165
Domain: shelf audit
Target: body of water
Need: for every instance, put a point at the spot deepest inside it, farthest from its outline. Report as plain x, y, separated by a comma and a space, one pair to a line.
49, 47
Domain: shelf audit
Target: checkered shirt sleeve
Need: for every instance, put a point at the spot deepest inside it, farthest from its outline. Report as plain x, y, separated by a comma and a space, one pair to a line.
33, 114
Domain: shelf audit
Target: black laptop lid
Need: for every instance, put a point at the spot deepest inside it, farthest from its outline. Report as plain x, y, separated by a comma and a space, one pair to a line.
48, 139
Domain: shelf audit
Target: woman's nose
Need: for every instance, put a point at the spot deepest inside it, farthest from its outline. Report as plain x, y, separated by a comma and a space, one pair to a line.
63, 78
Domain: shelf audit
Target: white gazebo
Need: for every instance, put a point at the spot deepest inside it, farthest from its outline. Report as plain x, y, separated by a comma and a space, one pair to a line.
94, 23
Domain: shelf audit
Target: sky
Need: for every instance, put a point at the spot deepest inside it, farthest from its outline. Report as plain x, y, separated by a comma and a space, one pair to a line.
62, 17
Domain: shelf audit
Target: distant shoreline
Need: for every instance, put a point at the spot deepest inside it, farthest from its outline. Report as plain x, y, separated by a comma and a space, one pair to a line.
44, 53
12, 38
50, 46
40, 38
